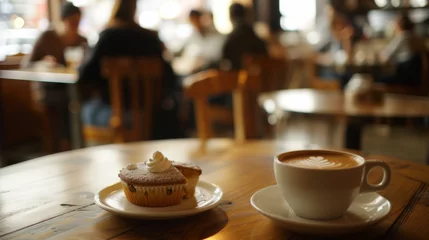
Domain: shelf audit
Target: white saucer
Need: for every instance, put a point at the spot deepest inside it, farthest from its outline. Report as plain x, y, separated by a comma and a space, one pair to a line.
112, 199
366, 210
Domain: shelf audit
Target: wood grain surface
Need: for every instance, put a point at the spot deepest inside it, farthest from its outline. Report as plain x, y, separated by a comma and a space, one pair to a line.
52, 197
323, 102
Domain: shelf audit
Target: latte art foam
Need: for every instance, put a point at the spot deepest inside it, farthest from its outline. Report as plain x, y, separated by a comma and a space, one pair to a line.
319, 162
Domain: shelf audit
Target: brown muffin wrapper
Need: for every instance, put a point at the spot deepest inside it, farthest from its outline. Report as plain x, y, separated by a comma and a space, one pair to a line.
159, 196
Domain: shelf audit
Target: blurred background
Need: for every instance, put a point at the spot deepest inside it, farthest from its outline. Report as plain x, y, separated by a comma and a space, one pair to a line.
23, 20
323, 44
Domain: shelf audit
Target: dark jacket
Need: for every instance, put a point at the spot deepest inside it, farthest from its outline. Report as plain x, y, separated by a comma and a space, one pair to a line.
130, 41
49, 43
242, 40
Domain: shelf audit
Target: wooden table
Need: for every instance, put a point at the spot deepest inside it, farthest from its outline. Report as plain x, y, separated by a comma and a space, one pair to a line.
336, 103
56, 75
364, 67
53, 196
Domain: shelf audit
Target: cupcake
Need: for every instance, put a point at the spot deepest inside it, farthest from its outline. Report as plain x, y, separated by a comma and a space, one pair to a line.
192, 173
155, 183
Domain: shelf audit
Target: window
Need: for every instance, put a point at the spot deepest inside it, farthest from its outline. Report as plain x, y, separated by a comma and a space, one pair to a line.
21, 21
95, 15
297, 15
168, 17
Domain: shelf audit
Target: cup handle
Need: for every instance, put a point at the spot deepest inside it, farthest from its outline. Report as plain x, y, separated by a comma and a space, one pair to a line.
367, 187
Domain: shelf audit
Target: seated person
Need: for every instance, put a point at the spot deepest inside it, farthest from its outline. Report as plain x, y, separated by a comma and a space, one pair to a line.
49, 51
51, 44
202, 50
207, 20
404, 51
242, 40
342, 38
124, 37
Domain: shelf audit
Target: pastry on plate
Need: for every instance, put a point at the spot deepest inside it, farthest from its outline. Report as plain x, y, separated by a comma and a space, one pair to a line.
192, 173
155, 183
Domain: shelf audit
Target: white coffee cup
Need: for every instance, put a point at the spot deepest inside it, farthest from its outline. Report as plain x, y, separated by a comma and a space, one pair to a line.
320, 192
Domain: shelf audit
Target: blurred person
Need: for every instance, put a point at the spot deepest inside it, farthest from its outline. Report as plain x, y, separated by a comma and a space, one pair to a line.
51, 44
49, 51
405, 43
202, 50
275, 47
342, 40
343, 33
242, 40
195, 19
350, 11
207, 20
124, 37
404, 50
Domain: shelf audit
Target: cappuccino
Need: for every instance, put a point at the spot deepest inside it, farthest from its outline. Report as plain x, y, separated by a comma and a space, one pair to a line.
321, 160
322, 184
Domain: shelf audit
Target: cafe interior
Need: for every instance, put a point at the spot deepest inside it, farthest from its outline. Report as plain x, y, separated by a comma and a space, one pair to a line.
89, 86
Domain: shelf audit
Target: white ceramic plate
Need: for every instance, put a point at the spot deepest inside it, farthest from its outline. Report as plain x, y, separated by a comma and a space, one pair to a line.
366, 210
112, 199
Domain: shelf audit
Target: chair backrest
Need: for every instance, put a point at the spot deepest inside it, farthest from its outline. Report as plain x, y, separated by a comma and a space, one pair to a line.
212, 82
272, 71
141, 78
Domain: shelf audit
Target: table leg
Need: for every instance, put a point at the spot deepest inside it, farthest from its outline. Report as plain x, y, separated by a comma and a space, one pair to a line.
353, 136
75, 117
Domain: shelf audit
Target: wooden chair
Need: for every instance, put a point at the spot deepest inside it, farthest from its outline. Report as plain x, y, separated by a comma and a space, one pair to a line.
214, 82
143, 76
272, 71
272, 74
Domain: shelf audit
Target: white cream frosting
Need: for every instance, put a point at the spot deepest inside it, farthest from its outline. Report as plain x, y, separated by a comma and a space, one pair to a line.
158, 163
132, 166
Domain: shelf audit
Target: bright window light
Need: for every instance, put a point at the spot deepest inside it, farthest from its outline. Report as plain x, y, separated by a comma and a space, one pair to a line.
18, 22
79, 3
313, 37
221, 15
381, 3
419, 3
395, 3
170, 9
297, 15
149, 19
